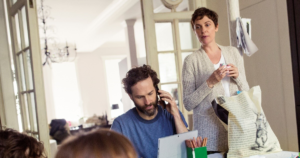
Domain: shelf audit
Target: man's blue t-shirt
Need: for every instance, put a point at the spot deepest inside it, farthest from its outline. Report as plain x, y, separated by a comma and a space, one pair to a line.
143, 133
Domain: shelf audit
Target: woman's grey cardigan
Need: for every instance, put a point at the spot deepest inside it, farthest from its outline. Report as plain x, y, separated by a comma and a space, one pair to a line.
197, 96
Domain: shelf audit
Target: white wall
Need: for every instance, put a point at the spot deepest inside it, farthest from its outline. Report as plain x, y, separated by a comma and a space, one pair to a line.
123, 69
49, 93
270, 67
92, 79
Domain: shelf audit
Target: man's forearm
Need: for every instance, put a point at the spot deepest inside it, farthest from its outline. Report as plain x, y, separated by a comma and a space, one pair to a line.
180, 126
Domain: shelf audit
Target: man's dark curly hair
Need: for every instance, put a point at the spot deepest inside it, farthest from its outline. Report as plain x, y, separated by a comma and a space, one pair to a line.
138, 74
14, 145
201, 12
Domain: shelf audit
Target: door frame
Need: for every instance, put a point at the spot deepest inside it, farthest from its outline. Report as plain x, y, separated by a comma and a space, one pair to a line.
293, 8
6, 76
2, 109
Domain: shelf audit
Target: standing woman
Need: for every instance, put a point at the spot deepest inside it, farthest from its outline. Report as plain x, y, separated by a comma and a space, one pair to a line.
204, 78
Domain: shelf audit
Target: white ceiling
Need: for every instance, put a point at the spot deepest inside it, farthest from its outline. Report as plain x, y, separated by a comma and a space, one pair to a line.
88, 23
91, 23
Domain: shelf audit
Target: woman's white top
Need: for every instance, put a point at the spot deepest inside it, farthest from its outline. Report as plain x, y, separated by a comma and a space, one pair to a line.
226, 80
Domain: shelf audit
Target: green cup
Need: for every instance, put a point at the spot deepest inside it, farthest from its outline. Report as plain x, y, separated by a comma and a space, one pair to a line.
200, 152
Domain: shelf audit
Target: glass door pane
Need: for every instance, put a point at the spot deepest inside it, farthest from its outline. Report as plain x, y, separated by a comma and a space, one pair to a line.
185, 35
29, 70
25, 28
25, 109
173, 90
22, 72
33, 110
164, 36
167, 67
18, 34
183, 6
158, 7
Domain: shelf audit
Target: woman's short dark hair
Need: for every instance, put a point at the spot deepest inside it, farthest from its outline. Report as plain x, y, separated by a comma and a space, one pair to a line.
137, 74
201, 12
101, 143
14, 145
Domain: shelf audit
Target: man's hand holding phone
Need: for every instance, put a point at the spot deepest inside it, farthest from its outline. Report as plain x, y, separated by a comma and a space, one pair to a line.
171, 106
172, 109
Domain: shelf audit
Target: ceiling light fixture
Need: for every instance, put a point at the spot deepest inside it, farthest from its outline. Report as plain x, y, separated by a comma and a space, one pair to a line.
55, 54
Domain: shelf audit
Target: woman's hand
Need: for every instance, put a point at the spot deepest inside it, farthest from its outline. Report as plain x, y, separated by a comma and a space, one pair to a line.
233, 71
216, 76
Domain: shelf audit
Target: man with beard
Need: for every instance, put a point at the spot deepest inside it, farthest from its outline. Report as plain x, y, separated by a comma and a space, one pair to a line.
148, 121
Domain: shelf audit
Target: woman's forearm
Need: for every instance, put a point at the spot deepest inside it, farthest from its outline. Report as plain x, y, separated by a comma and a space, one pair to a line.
192, 97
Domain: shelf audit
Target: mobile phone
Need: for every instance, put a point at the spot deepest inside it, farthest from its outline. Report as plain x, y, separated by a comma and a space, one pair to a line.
162, 103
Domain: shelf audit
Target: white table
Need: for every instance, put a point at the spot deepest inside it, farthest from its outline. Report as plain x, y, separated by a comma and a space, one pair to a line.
282, 154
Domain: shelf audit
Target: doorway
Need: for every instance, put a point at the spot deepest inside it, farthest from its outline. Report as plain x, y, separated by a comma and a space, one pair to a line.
293, 7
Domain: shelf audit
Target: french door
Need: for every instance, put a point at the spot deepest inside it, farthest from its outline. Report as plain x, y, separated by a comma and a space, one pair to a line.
294, 28
26, 54
169, 38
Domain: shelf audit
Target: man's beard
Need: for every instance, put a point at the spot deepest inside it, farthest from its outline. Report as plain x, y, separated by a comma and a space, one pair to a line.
143, 110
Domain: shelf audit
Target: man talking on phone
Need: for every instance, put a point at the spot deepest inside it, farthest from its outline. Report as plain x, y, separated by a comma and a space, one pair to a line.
144, 124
